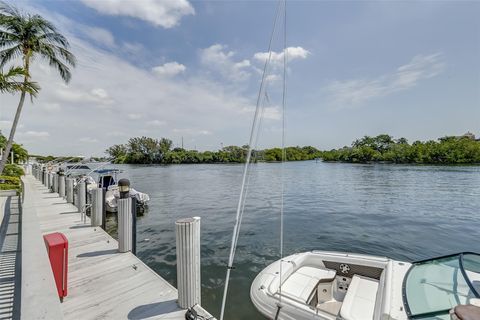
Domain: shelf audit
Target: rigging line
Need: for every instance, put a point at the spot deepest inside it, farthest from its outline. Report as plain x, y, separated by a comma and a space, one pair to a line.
247, 185
247, 162
284, 155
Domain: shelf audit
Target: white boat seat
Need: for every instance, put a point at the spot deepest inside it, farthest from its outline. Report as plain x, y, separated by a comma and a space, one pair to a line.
300, 284
359, 302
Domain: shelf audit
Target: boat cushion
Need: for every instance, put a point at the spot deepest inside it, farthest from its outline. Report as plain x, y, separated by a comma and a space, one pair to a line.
359, 302
302, 282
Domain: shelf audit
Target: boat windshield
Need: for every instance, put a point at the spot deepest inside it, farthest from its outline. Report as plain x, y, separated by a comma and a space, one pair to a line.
433, 287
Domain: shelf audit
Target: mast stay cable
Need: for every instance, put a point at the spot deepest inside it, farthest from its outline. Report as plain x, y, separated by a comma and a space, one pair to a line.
253, 134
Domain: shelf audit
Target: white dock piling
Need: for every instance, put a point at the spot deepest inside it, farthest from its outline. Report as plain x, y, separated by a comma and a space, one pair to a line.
188, 261
49, 180
97, 207
61, 186
69, 189
82, 199
124, 224
55, 182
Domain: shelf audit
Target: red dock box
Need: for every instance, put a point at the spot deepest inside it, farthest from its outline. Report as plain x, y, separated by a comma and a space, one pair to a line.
57, 248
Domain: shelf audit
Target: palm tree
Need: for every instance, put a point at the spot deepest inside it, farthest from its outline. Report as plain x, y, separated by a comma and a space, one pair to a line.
10, 82
29, 36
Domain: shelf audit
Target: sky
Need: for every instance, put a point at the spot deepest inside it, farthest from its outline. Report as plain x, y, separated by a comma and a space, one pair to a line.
192, 69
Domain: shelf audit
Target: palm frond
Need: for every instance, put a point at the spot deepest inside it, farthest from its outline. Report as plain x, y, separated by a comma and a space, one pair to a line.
55, 38
14, 80
9, 54
31, 36
9, 10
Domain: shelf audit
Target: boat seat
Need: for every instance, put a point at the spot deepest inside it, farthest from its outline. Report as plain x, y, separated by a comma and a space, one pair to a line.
302, 283
359, 302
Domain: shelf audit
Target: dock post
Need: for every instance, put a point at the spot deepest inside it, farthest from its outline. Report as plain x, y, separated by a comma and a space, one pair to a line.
61, 184
97, 207
104, 209
125, 235
53, 181
82, 199
188, 261
49, 181
44, 174
69, 189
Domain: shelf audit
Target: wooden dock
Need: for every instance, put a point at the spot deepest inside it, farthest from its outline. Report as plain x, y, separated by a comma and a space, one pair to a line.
102, 283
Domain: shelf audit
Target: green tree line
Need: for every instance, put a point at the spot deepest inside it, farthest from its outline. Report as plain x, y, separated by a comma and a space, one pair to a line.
384, 148
145, 150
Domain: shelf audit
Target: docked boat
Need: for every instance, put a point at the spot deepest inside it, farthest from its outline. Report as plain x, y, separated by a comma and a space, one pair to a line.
108, 178
332, 285
76, 169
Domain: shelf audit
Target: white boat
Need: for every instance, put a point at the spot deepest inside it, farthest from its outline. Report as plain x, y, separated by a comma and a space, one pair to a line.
332, 286
112, 195
108, 179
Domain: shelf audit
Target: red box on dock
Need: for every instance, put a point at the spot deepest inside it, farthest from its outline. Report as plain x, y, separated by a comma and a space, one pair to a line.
57, 248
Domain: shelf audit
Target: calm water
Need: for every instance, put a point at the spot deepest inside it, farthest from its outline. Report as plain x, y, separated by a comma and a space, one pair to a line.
404, 212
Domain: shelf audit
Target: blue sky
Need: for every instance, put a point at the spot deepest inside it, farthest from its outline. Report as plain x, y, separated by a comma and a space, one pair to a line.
192, 69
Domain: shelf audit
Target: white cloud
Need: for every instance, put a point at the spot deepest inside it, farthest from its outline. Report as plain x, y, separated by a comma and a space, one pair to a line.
169, 69
116, 134
356, 92
134, 116
272, 78
88, 140
268, 113
132, 47
165, 13
35, 134
293, 53
99, 35
272, 113
50, 107
217, 58
156, 123
98, 96
192, 132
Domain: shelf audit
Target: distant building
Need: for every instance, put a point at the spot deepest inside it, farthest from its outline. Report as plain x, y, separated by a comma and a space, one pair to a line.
468, 135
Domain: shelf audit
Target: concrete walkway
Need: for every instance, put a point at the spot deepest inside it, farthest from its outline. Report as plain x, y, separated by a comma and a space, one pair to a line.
102, 283
10, 253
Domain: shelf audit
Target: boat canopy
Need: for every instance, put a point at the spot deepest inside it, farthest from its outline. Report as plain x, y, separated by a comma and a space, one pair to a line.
433, 287
79, 167
105, 171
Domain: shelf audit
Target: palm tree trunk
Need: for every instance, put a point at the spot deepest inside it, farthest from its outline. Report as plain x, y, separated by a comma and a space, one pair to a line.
8, 147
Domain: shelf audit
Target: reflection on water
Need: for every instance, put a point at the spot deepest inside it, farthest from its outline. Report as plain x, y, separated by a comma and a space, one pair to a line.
404, 212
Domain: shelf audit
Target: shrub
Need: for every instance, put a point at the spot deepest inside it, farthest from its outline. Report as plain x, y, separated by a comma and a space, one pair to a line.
13, 170
10, 180
6, 186
10, 183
